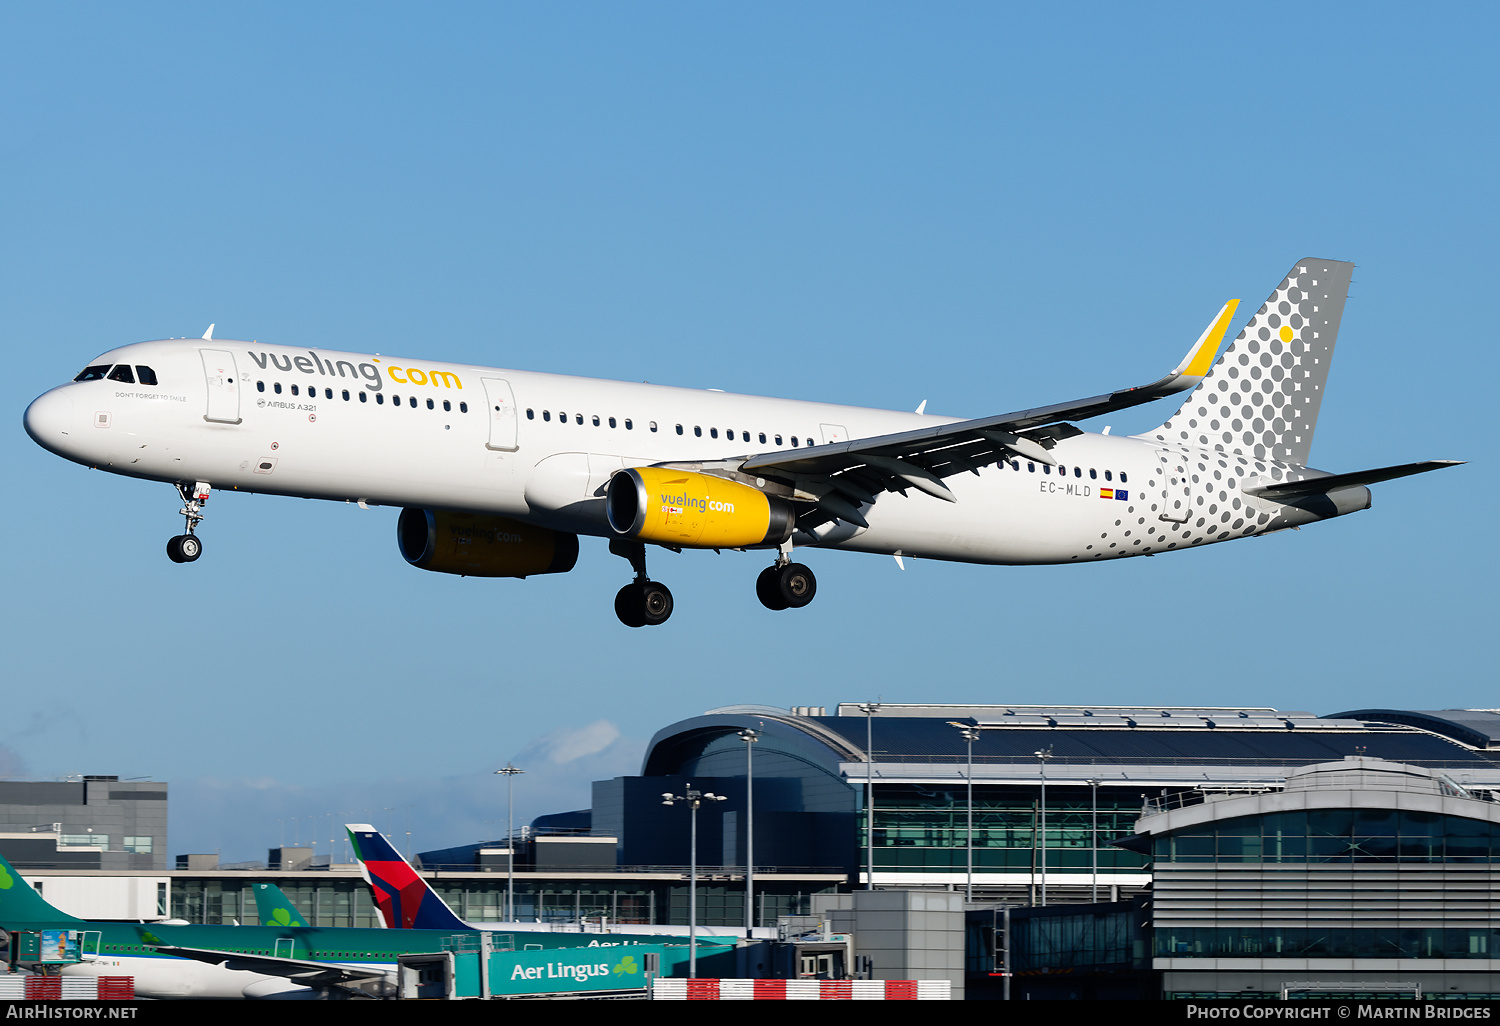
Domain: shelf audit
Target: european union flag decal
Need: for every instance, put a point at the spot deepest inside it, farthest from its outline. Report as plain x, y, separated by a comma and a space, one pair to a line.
1121, 493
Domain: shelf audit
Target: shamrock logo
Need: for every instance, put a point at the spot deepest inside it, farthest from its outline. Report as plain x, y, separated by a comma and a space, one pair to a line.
280, 917
6, 880
627, 966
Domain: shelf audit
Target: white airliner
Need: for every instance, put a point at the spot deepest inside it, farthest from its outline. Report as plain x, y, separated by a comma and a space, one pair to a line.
499, 471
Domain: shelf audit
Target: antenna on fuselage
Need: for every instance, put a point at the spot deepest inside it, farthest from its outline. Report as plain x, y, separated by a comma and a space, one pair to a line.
209, 334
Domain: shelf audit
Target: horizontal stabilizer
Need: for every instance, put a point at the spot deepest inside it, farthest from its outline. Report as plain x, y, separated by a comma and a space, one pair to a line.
1332, 482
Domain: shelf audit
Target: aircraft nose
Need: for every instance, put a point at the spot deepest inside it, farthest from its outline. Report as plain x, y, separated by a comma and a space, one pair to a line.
49, 420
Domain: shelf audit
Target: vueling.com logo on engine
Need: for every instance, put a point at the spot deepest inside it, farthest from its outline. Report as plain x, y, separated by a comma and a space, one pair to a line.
673, 503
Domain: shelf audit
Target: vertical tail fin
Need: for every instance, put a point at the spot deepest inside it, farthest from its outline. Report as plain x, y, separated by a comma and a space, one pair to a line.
21, 905
274, 908
405, 900
1262, 397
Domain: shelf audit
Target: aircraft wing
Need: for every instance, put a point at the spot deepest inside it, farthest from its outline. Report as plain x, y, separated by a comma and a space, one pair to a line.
295, 970
861, 468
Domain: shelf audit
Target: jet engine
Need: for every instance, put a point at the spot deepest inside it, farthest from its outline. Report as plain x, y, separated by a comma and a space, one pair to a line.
482, 545
681, 507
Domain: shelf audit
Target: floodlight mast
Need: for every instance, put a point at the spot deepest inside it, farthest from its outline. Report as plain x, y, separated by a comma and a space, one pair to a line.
693, 798
510, 773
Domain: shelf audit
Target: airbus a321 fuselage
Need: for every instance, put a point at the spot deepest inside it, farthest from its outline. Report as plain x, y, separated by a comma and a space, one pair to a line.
499, 471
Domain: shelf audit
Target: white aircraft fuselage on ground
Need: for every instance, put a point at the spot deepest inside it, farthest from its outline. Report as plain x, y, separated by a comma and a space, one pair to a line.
499, 470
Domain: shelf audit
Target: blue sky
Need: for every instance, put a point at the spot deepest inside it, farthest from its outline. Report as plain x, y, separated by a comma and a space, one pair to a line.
985, 206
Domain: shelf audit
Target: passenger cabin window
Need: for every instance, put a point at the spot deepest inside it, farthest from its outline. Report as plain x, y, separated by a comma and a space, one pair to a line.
628, 425
447, 406
294, 390
362, 397
713, 432
611, 422
260, 386
778, 439
145, 375
697, 431
276, 388
328, 393
596, 420
463, 407
1122, 478
762, 438
1107, 476
93, 373
679, 429
122, 373
379, 398
346, 395
578, 419
431, 405
414, 402
530, 414
794, 441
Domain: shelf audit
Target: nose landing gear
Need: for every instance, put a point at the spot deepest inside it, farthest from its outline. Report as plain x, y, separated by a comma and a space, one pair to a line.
643, 602
185, 548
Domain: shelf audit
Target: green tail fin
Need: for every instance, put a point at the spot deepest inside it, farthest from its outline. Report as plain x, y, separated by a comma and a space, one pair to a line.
21, 905
275, 908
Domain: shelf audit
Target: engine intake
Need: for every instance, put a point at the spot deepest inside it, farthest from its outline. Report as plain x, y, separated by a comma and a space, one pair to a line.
681, 507
482, 545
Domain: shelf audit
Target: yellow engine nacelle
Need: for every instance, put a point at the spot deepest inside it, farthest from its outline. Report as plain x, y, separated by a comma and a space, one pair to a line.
680, 507
481, 545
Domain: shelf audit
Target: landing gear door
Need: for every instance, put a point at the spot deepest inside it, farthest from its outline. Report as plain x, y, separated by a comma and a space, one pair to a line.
1176, 486
223, 386
502, 410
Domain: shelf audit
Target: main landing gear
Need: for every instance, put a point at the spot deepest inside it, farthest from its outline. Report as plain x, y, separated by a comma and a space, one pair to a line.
785, 585
187, 547
643, 602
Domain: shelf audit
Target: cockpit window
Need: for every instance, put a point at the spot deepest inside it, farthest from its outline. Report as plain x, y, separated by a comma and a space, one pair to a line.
122, 373
93, 373
145, 375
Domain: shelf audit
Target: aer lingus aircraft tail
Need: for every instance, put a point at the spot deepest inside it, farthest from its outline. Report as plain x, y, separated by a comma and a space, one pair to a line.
404, 899
274, 908
21, 906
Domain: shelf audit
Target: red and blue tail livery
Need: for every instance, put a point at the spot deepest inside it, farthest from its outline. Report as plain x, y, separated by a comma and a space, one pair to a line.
404, 899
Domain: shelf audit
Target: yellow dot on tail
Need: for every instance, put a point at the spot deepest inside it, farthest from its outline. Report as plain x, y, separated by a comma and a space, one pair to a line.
1286, 333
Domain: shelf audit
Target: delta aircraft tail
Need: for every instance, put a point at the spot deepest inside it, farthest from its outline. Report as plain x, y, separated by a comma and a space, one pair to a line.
404, 898
1261, 398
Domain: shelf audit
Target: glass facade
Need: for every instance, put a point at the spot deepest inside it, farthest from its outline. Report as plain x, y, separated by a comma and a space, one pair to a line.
1336, 835
1325, 942
923, 828
347, 902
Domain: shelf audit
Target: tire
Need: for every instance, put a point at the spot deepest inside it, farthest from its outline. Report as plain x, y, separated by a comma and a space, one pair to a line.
173, 552
189, 546
797, 585
768, 588
629, 607
656, 603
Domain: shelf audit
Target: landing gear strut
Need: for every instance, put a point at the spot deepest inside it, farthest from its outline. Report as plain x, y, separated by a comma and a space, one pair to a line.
643, 602
185, 548
785, 585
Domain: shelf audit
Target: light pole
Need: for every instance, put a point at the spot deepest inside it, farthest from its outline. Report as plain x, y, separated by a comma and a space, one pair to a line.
1042, 756
749, 736
694, 799
970, 735
868, 708
1094, 834
510, 772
